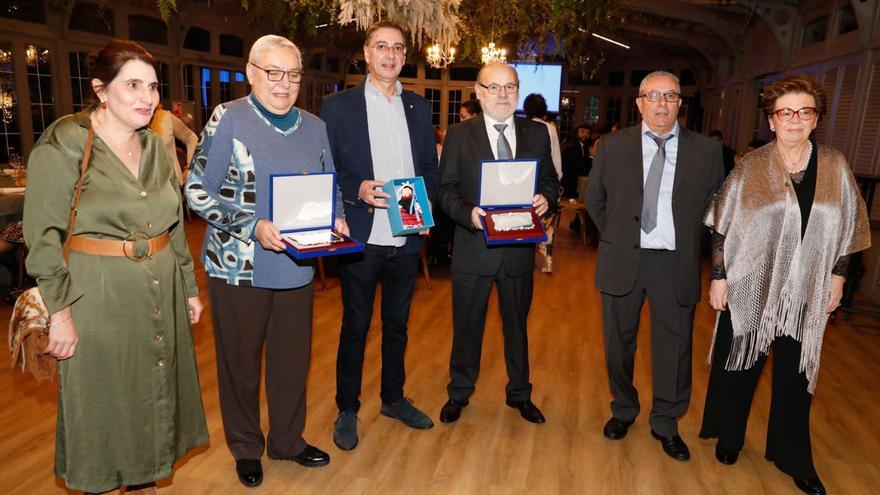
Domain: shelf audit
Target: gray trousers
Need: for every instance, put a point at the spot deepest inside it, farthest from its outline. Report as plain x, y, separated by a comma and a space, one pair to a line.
671, 329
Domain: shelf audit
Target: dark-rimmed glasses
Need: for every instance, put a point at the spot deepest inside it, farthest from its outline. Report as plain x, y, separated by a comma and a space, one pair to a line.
493, 89
805, 113
275, 75
655, 96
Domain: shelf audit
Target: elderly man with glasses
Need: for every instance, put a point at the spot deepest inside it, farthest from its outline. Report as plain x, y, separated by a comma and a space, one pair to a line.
260, 297
648, 189
378, 132
494, 135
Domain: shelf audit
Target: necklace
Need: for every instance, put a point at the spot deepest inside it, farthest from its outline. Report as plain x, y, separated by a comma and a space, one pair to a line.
120, 149
798, 164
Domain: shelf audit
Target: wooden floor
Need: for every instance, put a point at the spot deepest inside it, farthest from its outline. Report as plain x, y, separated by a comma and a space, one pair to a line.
491, 450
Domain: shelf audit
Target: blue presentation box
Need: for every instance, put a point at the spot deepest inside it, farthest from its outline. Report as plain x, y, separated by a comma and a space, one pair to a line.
303, 207
409, 210
506, 191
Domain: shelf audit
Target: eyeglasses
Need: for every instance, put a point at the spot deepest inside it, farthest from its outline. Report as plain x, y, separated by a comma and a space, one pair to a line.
655, 96
396, 49
805, 113
275, 75
494, 89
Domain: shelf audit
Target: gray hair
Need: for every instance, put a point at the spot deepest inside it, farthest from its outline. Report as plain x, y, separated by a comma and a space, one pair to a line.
271, 42
658, 73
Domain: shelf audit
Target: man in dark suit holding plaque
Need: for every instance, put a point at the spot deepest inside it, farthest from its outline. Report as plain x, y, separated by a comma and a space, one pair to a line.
378, 132
647, 193
495, 135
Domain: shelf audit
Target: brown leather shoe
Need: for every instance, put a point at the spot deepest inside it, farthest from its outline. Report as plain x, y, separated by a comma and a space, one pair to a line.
451, 411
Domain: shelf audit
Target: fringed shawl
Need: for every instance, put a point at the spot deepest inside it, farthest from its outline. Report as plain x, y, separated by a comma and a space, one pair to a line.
778, 283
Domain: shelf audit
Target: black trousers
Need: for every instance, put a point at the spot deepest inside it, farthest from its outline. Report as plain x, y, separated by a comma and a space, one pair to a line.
470, 298
729, 399
359, 278
247, 320
671, 330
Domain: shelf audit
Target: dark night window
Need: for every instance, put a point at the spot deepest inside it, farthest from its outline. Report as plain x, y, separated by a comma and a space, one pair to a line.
409, 70
24, 10
433, 73
814, 31
636, 76
333, 65
848, 20
688, 78
92, 18
357, 67
615, 79
463, 73
197, 39
147, 29
231, 45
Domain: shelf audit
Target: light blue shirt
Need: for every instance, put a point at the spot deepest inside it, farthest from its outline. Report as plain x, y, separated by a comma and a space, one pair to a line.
391, 152
663, 235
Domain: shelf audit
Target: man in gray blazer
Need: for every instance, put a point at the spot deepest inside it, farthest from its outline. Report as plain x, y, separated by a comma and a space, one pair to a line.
649, 187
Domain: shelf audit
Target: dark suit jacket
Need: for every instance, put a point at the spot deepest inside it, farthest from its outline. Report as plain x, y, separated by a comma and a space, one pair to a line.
466, 144
346, 116
614, 201
574, 166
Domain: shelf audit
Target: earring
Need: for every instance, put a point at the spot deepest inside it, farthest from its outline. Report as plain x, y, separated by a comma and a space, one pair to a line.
103, 104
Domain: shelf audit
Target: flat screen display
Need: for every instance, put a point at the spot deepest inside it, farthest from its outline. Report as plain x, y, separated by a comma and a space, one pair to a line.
545, 79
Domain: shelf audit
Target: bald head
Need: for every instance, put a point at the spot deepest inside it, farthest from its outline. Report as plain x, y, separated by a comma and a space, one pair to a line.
497, 89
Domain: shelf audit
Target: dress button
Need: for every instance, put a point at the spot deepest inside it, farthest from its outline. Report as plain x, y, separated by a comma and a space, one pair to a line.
143, 194
369, 210
636, 246
155, 282
149, 225
636, 218
160, 363
157, 311
160, 338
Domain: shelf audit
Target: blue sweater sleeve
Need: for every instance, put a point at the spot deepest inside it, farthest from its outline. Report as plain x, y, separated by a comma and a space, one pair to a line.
213, 157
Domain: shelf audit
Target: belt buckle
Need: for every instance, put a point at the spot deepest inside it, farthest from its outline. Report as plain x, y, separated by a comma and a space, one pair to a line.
133, 238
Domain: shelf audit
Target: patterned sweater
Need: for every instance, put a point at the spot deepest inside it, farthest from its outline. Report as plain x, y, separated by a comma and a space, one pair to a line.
238, 151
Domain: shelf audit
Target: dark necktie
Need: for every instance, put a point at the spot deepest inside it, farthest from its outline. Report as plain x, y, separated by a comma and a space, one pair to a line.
652, 185
504, 152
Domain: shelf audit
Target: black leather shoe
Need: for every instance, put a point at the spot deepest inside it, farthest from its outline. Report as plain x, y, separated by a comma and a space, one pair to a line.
674, 446
250, 472
615, 429
528, 410
451, 411
810, 485
725, 456
311, 456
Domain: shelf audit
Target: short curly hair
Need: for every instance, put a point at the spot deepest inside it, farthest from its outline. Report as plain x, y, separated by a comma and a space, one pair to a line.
790, 85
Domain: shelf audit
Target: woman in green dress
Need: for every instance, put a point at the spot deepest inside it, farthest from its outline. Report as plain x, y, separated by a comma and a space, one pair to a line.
129, 403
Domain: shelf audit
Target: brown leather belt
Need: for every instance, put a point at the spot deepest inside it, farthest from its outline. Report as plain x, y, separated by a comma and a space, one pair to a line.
136, 247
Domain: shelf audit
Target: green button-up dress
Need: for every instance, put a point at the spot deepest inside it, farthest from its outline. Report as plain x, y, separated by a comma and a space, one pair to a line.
129, 403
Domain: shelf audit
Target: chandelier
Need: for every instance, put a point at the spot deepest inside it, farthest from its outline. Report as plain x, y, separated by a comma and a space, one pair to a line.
439, 58
492, 54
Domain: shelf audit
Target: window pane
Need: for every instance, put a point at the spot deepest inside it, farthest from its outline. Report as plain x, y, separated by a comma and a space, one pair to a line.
92, 18
452, 115
163, 74
433, 97
10, 131
149, 29
591, 111
463, 73
231, 45
39, 75
83, 96
205, 93
197, 39
24, 10
612, 111
409, 70
225, 86
848, 20
189, 89
814, 31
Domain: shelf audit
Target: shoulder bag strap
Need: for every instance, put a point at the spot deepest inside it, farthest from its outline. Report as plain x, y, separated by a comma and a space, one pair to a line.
79, 183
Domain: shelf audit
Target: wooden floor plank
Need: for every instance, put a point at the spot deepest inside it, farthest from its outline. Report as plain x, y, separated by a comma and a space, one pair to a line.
491, 450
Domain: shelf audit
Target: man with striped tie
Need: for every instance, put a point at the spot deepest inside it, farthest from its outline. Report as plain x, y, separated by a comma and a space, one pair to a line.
495, 134
648, 189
